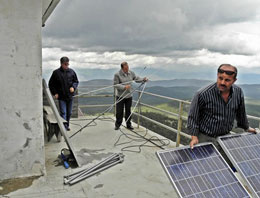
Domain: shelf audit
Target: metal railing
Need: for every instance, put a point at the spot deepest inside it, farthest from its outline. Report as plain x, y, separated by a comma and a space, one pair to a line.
179, 116
94, 96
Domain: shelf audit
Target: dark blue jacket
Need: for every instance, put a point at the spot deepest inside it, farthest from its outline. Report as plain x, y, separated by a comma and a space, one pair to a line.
61, 81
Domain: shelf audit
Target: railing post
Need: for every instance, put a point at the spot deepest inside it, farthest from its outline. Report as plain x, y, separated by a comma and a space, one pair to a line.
139, 110
178, 138
115, 101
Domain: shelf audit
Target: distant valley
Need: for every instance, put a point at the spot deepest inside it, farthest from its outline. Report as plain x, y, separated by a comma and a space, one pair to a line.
177, 88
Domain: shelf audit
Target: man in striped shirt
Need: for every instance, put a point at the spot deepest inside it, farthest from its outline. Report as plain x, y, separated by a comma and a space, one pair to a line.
215, 107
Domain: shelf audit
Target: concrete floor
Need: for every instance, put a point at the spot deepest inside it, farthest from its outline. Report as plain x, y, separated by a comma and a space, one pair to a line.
140, 175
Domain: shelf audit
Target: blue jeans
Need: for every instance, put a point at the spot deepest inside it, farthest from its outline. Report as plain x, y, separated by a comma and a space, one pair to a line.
66, 110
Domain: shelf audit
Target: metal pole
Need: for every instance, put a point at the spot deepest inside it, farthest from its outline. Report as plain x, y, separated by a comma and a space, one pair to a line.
83, 172
87, 172
139, 111
59, 120
96, 171
114, 101
178, 138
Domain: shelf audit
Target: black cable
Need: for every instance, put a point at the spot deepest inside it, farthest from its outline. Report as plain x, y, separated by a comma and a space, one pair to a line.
137, 138
107, 110
94, 124
80, 119
133, 138
140, 138
75, 124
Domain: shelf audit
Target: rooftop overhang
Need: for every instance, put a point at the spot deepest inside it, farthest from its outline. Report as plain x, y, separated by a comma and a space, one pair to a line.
47, 8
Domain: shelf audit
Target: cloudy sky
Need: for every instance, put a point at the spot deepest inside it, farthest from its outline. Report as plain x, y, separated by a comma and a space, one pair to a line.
179, 37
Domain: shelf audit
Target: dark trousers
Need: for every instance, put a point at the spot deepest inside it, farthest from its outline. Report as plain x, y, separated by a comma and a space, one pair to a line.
127, 103
66, 110
205, 138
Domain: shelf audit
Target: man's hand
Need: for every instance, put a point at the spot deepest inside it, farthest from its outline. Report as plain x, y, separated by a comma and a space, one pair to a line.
71, 90
251, 130
56, 96
194, 140
145, 79
127, 86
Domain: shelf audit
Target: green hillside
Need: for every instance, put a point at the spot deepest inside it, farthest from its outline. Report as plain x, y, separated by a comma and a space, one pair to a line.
179, 92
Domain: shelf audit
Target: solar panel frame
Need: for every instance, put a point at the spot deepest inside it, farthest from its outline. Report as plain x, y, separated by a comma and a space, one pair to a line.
185, 147
234, 162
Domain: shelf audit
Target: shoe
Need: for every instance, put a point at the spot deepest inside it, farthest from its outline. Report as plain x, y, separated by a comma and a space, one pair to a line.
130, 127
116, 127
68, 129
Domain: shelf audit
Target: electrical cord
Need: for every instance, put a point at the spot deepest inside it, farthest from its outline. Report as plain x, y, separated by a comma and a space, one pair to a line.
94, 124
96, 90
133, 138
141, 138
137, 137
108, 109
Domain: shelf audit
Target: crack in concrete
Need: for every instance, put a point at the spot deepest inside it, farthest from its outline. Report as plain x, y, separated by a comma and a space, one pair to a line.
99, 186
26, 126
27, 142
18, 114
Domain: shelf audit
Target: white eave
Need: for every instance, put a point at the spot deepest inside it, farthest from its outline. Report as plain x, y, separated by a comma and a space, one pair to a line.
47, 8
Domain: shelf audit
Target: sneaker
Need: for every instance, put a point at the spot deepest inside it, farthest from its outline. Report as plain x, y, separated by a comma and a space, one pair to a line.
116, 127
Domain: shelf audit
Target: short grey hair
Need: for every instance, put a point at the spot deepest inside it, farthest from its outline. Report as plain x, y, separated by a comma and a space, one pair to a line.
64, 59
123, 64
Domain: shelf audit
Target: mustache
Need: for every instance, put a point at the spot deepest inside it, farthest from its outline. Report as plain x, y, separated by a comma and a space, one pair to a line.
223, 85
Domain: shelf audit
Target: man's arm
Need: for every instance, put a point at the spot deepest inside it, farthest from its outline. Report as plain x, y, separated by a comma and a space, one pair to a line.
194, 140
241, 117
138, 79
53, 84
75, 82
193, 120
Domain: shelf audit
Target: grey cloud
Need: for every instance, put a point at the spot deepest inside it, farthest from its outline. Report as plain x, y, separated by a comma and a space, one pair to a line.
143, 26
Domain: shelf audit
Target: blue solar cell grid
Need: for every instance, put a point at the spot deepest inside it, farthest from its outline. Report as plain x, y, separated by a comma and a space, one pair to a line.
200, 172
244, 153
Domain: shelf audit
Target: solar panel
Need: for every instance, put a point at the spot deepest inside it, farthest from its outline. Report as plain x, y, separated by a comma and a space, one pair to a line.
200, 172
244, 152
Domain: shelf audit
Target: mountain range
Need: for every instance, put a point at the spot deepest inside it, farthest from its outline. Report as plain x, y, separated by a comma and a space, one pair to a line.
84, 74
178, 88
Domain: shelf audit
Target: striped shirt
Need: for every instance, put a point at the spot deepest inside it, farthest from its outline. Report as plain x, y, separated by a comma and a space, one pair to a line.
211, 115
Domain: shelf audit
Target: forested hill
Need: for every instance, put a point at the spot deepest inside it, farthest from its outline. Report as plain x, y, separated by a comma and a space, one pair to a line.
178, 88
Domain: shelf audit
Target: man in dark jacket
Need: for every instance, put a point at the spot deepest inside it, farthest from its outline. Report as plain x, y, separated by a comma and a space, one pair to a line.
63, 84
